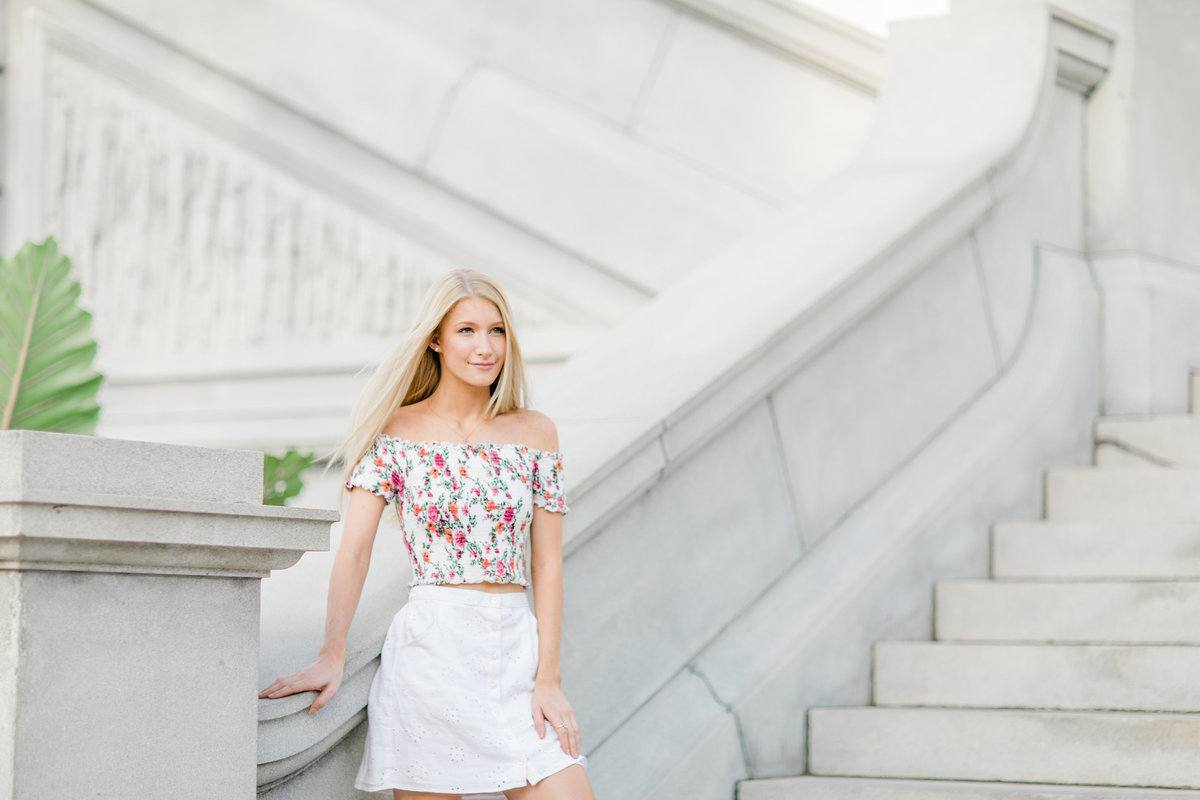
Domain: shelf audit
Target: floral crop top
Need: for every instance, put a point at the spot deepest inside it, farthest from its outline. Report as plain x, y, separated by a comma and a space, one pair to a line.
464, 508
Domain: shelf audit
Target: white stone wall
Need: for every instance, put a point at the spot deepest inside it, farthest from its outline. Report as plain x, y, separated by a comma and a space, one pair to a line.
256, 195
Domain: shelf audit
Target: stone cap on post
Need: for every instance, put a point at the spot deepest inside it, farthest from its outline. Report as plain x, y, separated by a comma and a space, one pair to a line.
88, 503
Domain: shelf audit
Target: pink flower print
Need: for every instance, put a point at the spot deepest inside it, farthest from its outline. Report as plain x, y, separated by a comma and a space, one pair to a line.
396, 482
508, 515
441, 462
433, 514
499, 568
495, 457
460, 540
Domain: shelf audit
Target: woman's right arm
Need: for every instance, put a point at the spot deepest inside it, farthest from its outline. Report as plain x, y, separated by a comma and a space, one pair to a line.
346, 581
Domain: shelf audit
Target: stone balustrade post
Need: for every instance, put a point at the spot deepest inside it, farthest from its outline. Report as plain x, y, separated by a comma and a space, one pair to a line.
129, 615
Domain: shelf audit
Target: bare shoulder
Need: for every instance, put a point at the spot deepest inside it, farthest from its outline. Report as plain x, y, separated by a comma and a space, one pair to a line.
537, 429
405, 422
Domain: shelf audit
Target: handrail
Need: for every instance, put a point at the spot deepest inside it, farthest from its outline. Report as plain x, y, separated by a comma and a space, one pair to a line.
754, 313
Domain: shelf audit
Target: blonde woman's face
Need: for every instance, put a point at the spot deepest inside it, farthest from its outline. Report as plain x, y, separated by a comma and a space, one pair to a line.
472, 341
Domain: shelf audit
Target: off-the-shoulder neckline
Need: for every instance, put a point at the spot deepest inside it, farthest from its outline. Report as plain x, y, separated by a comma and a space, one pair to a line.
476, 445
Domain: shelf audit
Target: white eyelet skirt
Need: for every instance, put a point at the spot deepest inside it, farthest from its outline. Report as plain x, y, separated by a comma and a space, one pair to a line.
450, 707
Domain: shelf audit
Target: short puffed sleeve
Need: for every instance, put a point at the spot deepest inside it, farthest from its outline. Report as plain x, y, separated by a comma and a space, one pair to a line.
548, 481
378, 472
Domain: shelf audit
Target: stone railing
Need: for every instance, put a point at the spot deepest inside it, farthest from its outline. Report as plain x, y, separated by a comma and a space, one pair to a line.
129, 579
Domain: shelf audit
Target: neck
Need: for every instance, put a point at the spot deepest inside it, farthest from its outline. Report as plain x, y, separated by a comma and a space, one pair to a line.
460, 401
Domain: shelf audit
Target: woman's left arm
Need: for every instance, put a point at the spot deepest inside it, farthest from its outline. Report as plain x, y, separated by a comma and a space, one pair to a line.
550, 705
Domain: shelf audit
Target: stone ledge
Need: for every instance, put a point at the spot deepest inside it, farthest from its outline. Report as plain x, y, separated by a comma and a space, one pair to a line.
32, 461
68, 503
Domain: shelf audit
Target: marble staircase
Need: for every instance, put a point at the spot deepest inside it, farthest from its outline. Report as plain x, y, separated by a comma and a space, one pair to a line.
1071, 672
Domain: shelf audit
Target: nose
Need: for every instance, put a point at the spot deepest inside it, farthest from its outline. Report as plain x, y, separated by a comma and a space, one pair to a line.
483, 347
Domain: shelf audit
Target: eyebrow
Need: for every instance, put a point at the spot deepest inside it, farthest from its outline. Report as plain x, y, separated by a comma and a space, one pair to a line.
472, 322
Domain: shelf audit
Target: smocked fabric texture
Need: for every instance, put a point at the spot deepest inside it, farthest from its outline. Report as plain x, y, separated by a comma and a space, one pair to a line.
464, 508
450, 707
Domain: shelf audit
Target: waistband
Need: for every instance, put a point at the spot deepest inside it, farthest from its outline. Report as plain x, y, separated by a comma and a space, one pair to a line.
468, 597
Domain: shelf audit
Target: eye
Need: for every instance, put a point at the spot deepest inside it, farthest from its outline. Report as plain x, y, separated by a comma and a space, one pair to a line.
467, 328
499, 329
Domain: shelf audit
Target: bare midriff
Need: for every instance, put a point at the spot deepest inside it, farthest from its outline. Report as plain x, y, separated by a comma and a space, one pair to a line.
489, 587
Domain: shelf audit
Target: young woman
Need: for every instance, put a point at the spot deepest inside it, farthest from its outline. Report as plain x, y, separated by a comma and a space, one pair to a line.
466, 699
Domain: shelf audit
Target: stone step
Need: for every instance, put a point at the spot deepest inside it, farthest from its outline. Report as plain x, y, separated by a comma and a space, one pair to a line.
810, 787
1057, 747
1168, 441
1100, 612
1040, 549
1109, 456
1071, 677
1103, 495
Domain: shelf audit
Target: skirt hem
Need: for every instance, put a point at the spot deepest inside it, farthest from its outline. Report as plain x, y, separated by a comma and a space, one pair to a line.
529, 781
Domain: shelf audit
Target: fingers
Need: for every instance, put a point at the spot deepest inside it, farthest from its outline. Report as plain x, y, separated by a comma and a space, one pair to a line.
568, 732
288, 684
322, 699
539, 721
573, 727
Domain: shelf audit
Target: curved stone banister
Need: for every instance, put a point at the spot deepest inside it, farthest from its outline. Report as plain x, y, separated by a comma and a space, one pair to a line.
642, 400
656, 387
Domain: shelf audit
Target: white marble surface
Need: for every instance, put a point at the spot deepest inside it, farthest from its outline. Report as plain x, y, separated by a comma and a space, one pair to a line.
860, 408
586, 187
684, 745
594, 54
1109, 495
1046, 208
1045, 676
1152, 331
1139, 549
1155, 750
131, 589
1109, 611
749, 113
1141, 161
1164, 440
929, 519
822, 788
671, 570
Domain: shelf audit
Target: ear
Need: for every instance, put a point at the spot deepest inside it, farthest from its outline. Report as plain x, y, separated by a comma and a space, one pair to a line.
434, 343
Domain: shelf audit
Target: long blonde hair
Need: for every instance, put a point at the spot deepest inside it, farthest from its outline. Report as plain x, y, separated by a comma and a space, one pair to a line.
412, 371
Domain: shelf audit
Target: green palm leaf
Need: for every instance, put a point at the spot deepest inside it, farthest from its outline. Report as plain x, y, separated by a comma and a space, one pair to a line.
46, 348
